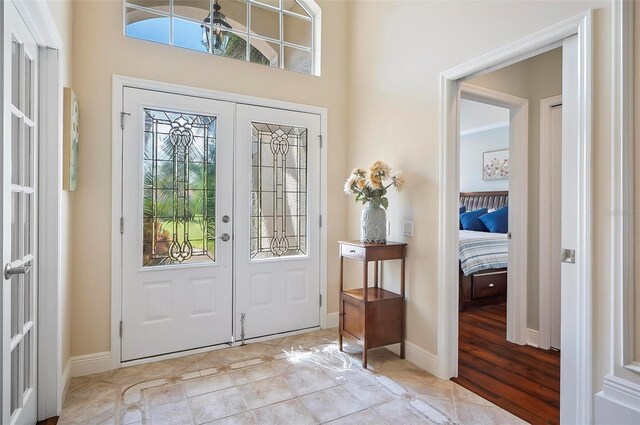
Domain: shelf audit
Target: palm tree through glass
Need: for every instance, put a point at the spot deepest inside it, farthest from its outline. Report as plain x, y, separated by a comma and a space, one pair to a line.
179, 189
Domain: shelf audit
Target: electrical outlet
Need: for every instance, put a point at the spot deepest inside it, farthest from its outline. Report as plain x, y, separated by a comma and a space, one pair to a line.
388, 227
407, 228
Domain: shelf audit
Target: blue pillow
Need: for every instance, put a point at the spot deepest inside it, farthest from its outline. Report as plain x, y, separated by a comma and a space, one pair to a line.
497, 221
463, 209
470, 220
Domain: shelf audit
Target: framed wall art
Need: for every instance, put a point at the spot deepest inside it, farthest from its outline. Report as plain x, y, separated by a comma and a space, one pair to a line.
495, 165
70, 141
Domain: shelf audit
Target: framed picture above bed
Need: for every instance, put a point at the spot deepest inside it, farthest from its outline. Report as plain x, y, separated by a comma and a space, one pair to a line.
495, 165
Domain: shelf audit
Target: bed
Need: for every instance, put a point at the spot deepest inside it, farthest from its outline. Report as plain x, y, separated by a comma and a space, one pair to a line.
483, 256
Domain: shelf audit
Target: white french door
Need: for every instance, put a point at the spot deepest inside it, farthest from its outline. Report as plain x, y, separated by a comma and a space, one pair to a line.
220, 230
277, 205
176, 207
19, 198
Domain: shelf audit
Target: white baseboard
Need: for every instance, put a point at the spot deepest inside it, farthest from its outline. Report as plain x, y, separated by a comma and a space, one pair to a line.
90, 363
333, 320
618, 403
64, 384
533, 337
422, 358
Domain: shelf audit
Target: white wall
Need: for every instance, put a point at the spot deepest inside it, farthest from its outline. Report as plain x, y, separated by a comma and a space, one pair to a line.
472, 147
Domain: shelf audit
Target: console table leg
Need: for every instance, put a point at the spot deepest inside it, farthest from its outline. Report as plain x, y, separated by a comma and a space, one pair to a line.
364, 356
340, 341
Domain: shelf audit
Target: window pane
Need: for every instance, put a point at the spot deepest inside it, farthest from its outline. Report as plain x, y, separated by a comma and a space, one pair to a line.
28, 296
278, 196
16, 281
188, 34
15, 150
294, 6
236, 13
15, 226
236, 46
159, 5
192, 9
265, 52
296, 30
273, 3
28, 353
15, 378
180, 188
15, 73
28, 213
297, 60
27, 144
147, 26
28, 82
265, 22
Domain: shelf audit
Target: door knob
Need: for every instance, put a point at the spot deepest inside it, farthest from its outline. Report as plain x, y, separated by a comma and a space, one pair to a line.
10, 271
225, 237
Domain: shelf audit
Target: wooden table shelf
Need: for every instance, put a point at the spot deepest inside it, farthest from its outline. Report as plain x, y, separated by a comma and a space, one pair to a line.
372, 315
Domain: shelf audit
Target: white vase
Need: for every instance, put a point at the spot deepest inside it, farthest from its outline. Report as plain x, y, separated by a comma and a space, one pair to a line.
373, 223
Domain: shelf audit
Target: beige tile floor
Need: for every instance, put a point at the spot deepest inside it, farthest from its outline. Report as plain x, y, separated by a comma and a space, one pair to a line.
301, 379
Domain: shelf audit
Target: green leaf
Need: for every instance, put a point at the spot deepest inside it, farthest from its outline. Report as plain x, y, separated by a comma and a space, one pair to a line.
385, 202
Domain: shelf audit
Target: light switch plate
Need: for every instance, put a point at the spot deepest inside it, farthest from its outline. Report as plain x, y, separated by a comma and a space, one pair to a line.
407, 228
388, 227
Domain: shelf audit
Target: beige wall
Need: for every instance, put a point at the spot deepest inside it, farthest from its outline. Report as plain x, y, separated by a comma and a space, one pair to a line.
534, 79
380, 81
394, 115
62, 12
100, 51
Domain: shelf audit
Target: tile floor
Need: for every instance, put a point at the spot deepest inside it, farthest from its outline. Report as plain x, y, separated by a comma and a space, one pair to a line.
301, 379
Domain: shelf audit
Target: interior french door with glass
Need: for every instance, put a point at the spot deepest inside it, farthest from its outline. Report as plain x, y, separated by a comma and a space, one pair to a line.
277, 208
177, 208
19, 198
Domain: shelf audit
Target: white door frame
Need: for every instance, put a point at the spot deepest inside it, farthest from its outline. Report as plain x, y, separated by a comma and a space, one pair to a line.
576, 374
119, 83
518, 202
52, 378
544, 227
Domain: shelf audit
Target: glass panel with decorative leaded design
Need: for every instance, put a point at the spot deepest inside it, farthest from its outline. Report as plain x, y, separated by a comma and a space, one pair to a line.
278, 191
179, 188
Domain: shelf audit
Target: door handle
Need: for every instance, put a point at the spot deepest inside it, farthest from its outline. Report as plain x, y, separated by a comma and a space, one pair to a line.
225, 237
10, 271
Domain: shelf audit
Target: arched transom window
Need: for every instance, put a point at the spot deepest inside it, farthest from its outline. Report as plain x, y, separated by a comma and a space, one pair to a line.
278, 33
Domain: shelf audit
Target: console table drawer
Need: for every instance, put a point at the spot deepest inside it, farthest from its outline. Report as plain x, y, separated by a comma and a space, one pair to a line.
489, 285
350, 251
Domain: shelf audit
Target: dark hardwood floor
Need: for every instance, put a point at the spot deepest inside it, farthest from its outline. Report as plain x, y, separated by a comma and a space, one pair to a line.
521, 379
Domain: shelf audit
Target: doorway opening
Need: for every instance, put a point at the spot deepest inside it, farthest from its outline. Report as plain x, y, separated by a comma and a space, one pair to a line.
499, 277
574, 36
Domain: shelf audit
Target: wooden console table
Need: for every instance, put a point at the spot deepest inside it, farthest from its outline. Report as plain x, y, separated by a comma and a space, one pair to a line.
372, 315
